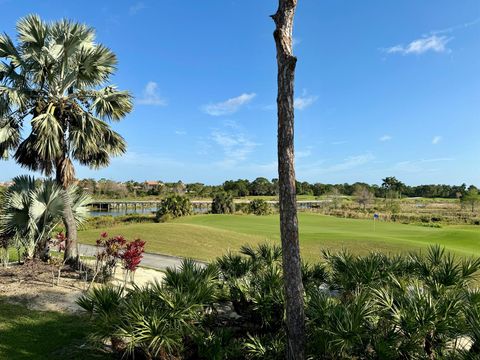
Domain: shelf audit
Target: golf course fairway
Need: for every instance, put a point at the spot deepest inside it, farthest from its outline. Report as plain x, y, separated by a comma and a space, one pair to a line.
205, 237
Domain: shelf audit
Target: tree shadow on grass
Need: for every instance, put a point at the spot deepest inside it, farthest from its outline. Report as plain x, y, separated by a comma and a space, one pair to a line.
27, 334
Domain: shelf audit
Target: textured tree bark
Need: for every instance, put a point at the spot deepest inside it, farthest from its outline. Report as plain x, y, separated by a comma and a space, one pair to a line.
63, 178
286, 179
71, 246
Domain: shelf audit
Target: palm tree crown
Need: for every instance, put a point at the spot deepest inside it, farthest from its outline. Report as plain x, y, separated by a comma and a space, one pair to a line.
56, 76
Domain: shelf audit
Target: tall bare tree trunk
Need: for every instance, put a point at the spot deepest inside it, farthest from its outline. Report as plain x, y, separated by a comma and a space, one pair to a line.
286, 178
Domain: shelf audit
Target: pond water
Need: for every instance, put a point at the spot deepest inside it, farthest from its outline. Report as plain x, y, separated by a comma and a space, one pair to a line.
144, 211
119, 211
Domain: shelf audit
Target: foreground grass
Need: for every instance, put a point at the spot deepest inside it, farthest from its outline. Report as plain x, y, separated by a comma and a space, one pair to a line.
27, 334
205, 237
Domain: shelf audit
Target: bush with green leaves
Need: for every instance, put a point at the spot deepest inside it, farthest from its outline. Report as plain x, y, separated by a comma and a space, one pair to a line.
223, 204
32, 209
241, 207
259, 207
108, 221
416, 306
172, 207
153, 320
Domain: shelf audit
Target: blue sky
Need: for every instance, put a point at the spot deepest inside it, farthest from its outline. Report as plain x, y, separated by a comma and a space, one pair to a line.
383, 88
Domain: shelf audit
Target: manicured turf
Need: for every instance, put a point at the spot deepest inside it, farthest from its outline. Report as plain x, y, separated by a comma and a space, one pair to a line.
27, 334
207, 236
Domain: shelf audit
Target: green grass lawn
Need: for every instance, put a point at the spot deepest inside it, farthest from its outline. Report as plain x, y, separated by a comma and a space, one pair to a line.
27, 334
206, 236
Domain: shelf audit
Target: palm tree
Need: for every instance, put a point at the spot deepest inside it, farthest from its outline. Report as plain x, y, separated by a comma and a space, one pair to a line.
55, 77
31, 210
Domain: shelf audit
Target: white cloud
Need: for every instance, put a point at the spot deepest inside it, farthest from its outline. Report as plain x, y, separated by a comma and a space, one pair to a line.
180, 132
150, 95
321, 168
457, 27
147, 160
304, 101
422, 165
135, 8
432, 43
203, 147
385, 138
235, 146
436, 139
267, 168
351, 162
232, 124
229, 106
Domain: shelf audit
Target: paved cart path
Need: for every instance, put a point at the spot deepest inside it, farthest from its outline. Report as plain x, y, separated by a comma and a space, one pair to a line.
154, 261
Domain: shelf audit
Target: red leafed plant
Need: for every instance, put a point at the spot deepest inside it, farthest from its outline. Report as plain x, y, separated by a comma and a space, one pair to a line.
133, 254
59, 241
110, 250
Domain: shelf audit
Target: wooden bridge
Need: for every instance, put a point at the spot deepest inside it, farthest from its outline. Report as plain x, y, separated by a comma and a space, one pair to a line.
202, 205
118, 205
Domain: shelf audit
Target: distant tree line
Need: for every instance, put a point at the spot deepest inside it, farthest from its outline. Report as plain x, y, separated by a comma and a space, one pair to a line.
262, 186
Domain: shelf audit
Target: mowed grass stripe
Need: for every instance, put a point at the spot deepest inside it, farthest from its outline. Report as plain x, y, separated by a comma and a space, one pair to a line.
185, 240
357, 235
205, 237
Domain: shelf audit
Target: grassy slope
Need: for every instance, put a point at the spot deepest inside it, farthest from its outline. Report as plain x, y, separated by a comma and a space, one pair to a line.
207, 236
27, 334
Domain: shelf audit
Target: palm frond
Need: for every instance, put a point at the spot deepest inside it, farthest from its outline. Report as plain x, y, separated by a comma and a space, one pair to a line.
46, 206
48, 146
9, 136
9, 51
14, 96
71, 36
32, 32
32, 209
79, 201
27, 158
110, 103
95, 65
93, 142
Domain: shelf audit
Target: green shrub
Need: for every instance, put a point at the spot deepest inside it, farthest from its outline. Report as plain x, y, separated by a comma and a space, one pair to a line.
357, 307
429, 225
100, 222
223, 204
265, 347
154, 319
218, 344
172, 207
241, 207
259, 207
107, 221
164, 218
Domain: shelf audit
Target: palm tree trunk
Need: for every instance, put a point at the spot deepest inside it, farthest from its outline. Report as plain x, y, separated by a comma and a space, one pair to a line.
287, 192
71, 246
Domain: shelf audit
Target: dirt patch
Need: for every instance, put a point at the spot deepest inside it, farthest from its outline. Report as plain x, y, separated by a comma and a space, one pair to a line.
33, 285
